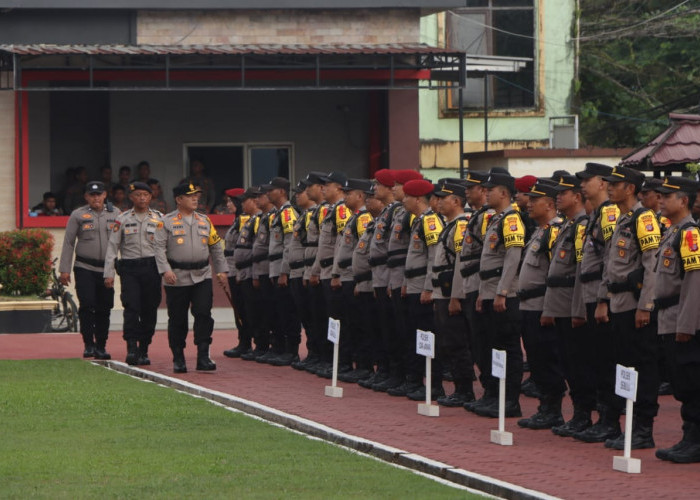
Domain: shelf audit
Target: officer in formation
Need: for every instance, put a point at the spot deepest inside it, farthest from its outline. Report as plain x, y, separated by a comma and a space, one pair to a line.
133, 239
87, 236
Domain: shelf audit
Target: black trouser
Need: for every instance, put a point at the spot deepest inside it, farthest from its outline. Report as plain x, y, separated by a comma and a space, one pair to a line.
452, 336
385, 335
683, 365
317, 334
95, 303
504, 332
636, 347
257, 314
542, 347
243, 324
302, 304
366, 337
396, 351
480, 340
286, 329
420, 317
336, 310
141, 294
601, 362
349, 325
577, 347
179, 300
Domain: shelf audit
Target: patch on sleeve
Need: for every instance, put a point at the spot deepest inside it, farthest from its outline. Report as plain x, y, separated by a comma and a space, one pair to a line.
460, 231
342, 214
288, 219
362, 223
513, 231
690, 249
432, 227
213, 236
648, 232
579, 240
608, 219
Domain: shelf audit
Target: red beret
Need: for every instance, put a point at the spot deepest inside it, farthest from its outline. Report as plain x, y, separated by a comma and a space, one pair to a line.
418, 187
403, 176
525, 183
233, 192
385, 177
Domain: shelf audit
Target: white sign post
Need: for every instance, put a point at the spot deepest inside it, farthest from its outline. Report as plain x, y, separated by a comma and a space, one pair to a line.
498, 370
626, 387
425, 346
333, 390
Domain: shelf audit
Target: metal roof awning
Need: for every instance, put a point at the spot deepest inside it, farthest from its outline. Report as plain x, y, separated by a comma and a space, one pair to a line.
248, 67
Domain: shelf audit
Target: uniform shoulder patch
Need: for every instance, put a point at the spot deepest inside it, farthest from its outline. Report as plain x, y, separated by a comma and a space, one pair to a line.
608, 219
513, 231
363, 221
648, 231
342, 214
460, 232
432, 227
579, 240
690, 249
288, 218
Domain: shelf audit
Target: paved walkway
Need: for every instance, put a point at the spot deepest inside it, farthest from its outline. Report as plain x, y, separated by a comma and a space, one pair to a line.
538, 460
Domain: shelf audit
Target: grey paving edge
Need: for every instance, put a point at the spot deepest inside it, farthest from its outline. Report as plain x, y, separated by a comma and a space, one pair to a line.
383, 452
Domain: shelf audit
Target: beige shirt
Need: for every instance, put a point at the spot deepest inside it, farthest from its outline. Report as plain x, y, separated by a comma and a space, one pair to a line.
132, 237
92, 231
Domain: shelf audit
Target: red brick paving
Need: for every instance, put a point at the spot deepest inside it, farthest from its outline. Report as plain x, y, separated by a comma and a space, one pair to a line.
538, 460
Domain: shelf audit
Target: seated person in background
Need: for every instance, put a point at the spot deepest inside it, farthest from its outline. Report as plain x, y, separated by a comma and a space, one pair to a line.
143, 171
48, 205
75, 194
222, 208
119, 198
197, 177
157, 201
124, 175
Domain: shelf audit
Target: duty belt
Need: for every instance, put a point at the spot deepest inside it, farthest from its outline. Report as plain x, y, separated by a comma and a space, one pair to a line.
467, 271
275, 256
623, 286
666, 302
92, 262
259, 258
228, 253
189, 266
560, 281
310, 261
398, 251
366, 276
296, 265
247, 247
413, 273
531, 293
490, 273
345, 263
395, 263
326, 262
244, 264
134, 263
309, 244
592, 276
446, 267
377, 261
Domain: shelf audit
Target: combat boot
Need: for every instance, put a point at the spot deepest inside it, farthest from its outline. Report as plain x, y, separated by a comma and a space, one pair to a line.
690, 453
642, 437
143, 355
607, 427
579, 422
204, 363
179, 365
548, 414
237, 351
512, 409
89, 351
662, 453
100, 352
486, 400
132, 354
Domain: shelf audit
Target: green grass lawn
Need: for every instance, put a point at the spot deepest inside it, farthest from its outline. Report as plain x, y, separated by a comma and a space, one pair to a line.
73, 430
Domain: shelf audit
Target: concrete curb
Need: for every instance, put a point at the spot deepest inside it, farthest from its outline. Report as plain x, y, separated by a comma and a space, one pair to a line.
446, 472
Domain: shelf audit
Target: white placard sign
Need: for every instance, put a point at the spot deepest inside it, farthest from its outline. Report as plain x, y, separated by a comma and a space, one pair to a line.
425, 343
333, 330
498, 363
626, 382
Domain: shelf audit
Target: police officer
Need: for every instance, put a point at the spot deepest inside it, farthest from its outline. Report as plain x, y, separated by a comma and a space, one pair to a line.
541, 341
183, 249
91, 226
287, 330
451, 329
629, 277
238, 298
133, 238
677, 283
503, 244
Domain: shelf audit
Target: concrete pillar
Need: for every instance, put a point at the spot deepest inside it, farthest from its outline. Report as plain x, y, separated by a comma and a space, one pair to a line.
404, 140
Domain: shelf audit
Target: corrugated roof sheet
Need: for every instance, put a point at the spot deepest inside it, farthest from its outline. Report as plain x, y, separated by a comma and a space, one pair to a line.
271, 49
680, 143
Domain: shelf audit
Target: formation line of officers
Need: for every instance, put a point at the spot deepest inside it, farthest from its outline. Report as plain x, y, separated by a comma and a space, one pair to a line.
579, 273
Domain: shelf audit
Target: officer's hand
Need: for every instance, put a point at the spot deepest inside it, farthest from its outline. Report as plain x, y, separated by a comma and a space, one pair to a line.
221, 277
256, 283
426, 297
403, 292
282, 280
335, 283
388, 292
454, 307
479, 304
314, 280
546, 321
169, 278
641, 318
601, 312
305, 283
355, 291
684, 337
64, 278
109, 282
578, 322
238, 280
499, 304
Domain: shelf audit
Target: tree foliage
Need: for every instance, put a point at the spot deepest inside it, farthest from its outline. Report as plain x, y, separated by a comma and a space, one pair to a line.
639, 60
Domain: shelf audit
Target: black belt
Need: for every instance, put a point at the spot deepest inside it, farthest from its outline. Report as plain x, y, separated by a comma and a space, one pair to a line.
377, 261
92, 262
398, 251
259, 258
623, 286
395, 263
296, 265
134, 263
228, 253
446, 267
666, 302
413, 273
244, 263
189, 266
490, 273
326, 262
247, 247
471, 256
275, 256
345, 263
531, 293
467, 271
366, 276
308, 244
310, 261
592, 276
561, 281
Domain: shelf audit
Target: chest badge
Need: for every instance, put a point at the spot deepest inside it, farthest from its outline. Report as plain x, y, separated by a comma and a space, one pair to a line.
180, 241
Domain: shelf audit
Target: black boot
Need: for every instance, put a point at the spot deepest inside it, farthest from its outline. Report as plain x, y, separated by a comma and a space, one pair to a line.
662, 453
237, 351
548, 414
100, 352
486, 400
579, 422
204, 363
607, 427
143, 355
89, 351
642, 437
512, 409
690, 452
132, 355
179, 365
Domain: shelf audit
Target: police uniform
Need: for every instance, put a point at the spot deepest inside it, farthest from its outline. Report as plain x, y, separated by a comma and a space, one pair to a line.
676, 286
629, 277
184, 246
237, 295
264, 301
133, 238
92, 230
